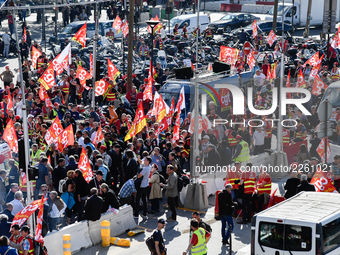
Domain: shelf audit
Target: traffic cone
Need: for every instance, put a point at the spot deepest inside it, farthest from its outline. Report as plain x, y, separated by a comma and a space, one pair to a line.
120, 242
136, 232
210, 67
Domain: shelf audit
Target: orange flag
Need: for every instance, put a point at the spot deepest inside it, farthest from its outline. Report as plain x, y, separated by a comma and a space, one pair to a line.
321, 150
176, 129
99, 136
301, 80
101, 87
147, 93
254, 27
10, 136
117, 24
66, 138
80, 36
138, 124
54, 131
85, 166
323, 181
318, 86
82, 75
159, 108
48, 78
162, 126
35, 54
38, 230
10, 103
172, 107
24, 35
112, 70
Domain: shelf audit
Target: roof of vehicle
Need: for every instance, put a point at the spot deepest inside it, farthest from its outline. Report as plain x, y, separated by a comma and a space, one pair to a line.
186, 16
334, 85
306, 206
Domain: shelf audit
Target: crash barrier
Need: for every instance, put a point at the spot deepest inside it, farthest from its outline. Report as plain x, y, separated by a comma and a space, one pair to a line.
265, 2
67, 244
211, 6
231, 7
255, 8
88, 233
105, 233
196, 197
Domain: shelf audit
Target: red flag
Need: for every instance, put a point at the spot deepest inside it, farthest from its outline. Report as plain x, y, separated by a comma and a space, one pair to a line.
117, 24
48, 78
66, 138
254, 27
99, 135
58, 64
112, 70
42, 93
181, 101
193, 67
80, 36
323, 181
21, 217
125, 29
159, 108
147, 93
54, 131
10, 136
138, 124
101, 87
82, 75
91, 65
318, 86
24, 35
228, 55
313, 61
85, 166
271, 38
10, 103
301, 80
154, 73
316, 68
321, 150
163, 125
176, 129
251, 61
172, 107
35, 54
38, 230
269, 74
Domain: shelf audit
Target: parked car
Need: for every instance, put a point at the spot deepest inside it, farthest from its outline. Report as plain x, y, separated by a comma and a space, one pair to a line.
191, 19
232, 21
264, 27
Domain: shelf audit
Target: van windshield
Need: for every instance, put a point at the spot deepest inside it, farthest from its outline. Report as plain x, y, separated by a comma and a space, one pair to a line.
331, 235
285, 237
333, 95
174, 21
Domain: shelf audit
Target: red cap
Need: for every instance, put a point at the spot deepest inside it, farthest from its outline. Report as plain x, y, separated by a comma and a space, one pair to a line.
17, 117
146, 80
238, 137
56, 104
134, 76
103, 147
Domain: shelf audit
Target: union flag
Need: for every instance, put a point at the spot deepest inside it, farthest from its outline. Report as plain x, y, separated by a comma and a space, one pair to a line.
80, 36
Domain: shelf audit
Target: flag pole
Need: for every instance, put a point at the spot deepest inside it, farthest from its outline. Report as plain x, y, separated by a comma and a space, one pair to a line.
94, 69
24, 119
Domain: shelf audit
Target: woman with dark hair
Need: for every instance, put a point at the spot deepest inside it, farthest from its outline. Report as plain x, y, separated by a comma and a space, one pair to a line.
303, 154
68, 197
155, 192
81, 193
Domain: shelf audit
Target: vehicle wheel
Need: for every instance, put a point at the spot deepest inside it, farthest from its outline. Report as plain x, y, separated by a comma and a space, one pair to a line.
228, 29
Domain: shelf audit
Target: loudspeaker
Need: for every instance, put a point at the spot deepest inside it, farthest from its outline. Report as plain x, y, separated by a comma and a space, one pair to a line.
33, 173
220, 67
22, 158
184, 73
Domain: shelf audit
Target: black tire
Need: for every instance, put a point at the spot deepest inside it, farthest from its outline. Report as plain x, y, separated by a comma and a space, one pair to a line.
228, 29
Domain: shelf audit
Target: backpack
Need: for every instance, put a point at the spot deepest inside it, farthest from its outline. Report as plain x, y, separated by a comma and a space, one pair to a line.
62, 188
180, 183
150, 242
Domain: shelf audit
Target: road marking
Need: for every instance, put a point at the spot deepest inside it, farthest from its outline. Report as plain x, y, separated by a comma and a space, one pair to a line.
144, 228
190, 210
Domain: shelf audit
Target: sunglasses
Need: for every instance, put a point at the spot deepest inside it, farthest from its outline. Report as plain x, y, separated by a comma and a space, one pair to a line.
43, 190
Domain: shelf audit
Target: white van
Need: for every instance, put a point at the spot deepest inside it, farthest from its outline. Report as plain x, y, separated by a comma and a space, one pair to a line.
191, 19
333, 95
306, 224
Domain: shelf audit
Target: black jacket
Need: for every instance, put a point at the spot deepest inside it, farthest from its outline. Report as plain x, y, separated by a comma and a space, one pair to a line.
109, 198
225, 203
305, 186
291, 187
81, 186
93, 208
93, 184
58, 174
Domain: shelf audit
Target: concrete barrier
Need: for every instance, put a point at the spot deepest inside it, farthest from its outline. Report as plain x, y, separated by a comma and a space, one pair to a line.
211, 6
254, 8
119, 223
80, 238
231, 7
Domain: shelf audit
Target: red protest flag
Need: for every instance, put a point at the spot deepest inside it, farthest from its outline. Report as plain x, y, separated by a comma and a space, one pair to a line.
228, 55
163, 125
251, 61
21, 217
323, 181
313, 60
101, 87
10, 136
147, 93
38, 230
66, 138
24, 35
10, 103
85, 166
172, 107
318, 86
254, 27
321, 150
271, 38
117, 24
125, 29
176, 128
138, 124
112, 70
99, 135
82, 75
181, 101
54, 131
301, 80
42, 93
47, 79
35, 54
91, 65
80, 36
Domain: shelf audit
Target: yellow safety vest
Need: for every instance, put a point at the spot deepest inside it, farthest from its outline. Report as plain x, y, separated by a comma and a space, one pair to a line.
244, 155
267, 188
35, 158
201, 247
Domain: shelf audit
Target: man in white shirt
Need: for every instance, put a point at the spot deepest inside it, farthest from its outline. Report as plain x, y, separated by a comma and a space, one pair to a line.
142, 191
17, 203
7, 40
259, 79
258, 140
57, 207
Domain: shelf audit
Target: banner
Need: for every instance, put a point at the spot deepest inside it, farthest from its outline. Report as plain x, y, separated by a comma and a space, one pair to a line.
226, 99
85, 166
21, 217
228, 55
10, 136
54, 131
101, 87
323, 181
38, 230
80, 36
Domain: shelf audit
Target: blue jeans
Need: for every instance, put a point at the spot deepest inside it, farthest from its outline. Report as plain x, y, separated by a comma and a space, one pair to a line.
52, 223
225, 227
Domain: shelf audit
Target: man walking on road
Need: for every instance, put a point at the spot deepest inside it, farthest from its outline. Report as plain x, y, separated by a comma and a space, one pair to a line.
158, 237
226, 205
171, 191
7, 40
199, 239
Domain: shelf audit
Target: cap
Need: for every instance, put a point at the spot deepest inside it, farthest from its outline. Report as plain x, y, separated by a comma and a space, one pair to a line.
99, 172
17, 117
238, 137
103, 147
206, 137
56, 104
228, 186
237, 162
30, 116
162, 221
7, 67
335, 157
315, 158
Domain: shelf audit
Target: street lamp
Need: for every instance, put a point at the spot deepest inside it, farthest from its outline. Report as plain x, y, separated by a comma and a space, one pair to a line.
152, 24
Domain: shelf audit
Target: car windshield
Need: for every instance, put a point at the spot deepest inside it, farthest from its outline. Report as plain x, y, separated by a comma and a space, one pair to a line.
279, 10
71, 29
333, 95
228, 16
173, 22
